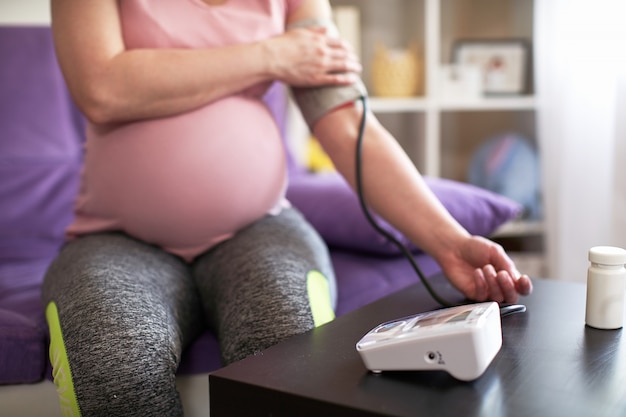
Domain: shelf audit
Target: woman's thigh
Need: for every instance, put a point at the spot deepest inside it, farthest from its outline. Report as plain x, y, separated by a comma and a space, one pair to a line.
272, 280
120, 313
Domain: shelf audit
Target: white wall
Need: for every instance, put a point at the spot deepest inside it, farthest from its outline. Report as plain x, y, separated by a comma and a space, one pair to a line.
581, 96
19, 12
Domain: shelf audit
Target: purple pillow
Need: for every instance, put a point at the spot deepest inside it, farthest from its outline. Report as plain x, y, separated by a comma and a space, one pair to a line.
40, 146
332, 207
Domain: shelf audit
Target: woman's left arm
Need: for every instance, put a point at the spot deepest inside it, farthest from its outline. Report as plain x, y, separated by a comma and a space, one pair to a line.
395, 189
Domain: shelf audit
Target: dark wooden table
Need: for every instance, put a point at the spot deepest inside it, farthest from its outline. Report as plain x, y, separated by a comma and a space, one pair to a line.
550, 364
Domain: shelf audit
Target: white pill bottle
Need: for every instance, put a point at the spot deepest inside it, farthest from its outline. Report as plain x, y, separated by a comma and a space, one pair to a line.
606, 282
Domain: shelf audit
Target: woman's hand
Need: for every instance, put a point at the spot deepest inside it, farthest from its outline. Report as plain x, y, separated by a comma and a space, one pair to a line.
481, 270
309, 57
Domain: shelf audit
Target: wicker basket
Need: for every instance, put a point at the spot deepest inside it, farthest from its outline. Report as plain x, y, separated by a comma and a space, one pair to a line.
396, 73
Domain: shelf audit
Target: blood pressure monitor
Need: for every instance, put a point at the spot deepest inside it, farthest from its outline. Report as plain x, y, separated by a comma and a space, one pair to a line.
461, 340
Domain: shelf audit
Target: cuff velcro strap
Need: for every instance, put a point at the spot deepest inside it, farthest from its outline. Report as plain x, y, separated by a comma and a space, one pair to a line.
315, 102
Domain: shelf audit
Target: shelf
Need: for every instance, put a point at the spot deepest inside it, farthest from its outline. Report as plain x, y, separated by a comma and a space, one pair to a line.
490, 104
417, 104
519, 228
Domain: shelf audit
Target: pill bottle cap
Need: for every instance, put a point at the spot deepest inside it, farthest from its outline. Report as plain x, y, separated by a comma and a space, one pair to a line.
607, 255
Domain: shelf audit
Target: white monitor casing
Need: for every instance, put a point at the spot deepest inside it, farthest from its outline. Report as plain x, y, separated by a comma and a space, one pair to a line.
461, 340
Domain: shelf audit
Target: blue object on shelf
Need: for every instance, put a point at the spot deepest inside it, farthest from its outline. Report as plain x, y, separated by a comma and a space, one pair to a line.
509, 165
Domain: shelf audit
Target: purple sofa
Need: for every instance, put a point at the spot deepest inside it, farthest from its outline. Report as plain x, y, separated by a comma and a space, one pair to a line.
41, 135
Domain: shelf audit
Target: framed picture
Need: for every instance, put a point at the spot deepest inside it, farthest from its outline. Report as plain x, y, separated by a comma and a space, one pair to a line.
503, 64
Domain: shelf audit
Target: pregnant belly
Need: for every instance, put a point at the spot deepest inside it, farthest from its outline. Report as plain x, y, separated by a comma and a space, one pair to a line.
189, 180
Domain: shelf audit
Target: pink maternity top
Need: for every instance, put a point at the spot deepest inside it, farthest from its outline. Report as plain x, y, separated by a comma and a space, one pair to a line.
188, 181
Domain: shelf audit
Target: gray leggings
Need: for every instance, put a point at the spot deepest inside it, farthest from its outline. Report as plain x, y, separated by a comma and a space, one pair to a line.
122, 311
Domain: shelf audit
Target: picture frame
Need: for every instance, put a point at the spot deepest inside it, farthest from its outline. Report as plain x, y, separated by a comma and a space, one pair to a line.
503, 64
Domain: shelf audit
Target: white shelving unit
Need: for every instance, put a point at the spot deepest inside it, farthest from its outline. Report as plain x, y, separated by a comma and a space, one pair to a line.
440, 133
436, 25
432, 107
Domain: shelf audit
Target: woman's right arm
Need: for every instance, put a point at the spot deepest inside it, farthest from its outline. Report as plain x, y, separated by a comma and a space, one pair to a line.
111, 84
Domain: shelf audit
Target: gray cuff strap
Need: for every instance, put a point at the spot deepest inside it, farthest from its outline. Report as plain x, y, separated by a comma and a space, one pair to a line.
315, 102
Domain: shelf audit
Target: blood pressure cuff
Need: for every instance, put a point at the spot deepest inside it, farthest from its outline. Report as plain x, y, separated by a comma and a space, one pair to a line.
315, 102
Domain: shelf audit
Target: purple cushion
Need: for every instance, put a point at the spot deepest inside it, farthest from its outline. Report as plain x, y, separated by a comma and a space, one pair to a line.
23, 333
364, 279
202, 356
40, 152
40, 146
331, 206
22, 351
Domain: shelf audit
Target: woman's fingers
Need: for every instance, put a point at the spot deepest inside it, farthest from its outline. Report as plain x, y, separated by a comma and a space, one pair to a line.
493, 283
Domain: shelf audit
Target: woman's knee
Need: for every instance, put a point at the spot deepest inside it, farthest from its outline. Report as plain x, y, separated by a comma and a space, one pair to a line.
271, 281
116, 331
